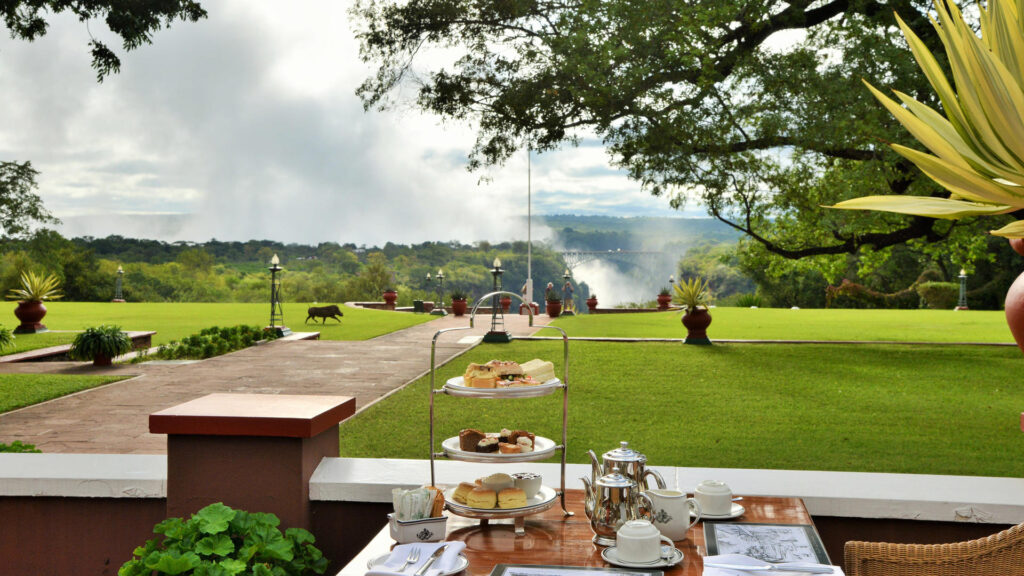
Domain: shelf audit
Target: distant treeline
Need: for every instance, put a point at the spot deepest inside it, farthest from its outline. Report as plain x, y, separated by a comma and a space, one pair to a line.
216, 271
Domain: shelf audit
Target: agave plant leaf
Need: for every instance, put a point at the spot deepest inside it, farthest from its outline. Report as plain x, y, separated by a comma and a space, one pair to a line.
964, 183
923, 206
1011, 230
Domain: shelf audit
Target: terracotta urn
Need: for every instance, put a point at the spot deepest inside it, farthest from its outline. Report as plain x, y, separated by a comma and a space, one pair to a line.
389, 298
697, 322
592, 303
31, 314
506, 302
554, 308
458, 307
663, 301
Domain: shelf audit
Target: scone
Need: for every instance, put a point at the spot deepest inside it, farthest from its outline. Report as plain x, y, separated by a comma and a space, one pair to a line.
512, 498
462, 492
481, 498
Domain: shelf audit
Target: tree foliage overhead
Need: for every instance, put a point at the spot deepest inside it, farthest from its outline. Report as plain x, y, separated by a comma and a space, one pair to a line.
19, 204
134, 22
755, 107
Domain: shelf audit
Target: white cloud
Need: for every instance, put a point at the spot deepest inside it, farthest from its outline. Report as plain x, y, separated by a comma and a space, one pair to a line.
248, 124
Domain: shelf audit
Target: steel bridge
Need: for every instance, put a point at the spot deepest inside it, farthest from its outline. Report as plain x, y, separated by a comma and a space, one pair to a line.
641, 258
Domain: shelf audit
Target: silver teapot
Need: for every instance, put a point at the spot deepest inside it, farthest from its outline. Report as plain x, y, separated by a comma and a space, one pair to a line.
611, 501
629, 462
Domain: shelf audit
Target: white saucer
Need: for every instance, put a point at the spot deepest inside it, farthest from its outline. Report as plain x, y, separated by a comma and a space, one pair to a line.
736, 512
460, 564
611, 556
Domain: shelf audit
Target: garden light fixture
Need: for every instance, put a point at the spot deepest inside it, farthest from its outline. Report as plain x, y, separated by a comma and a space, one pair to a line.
276, 311
567, 304
439, 309
118, 296
962, 304
497, 333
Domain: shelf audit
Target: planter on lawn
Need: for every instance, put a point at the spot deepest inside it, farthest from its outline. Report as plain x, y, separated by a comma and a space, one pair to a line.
697, 322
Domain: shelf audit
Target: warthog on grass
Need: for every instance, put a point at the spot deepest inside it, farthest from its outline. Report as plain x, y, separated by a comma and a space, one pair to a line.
324, 312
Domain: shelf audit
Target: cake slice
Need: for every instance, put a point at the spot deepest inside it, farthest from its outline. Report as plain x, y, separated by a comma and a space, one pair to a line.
469, 438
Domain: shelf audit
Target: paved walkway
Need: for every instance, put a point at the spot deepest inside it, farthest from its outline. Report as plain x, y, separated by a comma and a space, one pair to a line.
114, 419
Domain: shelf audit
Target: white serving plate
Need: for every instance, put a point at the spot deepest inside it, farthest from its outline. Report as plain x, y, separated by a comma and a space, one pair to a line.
540, 502
457, 387
542, 448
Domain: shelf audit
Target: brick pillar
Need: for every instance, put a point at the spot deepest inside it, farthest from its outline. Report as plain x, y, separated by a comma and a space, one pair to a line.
254, 452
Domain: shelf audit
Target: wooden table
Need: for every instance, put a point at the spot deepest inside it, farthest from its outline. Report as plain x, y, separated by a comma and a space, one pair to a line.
553, 539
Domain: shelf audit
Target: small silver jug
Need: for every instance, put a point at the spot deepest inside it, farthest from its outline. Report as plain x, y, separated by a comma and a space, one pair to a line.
611, 501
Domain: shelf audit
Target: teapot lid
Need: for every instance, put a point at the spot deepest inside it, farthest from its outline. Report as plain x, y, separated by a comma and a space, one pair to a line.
615, 479
624, 454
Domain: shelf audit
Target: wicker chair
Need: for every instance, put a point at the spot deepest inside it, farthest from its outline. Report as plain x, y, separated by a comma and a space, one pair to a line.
1001, 554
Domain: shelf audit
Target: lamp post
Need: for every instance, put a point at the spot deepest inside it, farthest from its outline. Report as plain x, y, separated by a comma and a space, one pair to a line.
671, 280
118, 296
439, 309
962, 304
497, 333
276, 311
568, 309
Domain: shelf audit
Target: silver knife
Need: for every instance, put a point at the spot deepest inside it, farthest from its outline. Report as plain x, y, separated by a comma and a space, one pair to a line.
773, 567
437, 554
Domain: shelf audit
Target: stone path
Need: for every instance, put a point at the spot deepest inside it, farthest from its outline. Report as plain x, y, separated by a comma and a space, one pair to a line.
114, 419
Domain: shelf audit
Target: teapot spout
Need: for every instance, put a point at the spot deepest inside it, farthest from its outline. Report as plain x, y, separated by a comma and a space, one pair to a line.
595, 466
589, 497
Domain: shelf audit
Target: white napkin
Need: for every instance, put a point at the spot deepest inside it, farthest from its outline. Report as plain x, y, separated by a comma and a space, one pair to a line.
399, 554
741, 559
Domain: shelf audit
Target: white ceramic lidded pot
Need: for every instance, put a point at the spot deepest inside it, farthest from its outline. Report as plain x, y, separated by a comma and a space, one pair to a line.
638, 541
715, 497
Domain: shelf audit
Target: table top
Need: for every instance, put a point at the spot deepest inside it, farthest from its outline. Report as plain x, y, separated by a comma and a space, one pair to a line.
553, 539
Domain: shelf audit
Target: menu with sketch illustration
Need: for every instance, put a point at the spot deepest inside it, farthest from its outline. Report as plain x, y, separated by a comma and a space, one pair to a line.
768, 542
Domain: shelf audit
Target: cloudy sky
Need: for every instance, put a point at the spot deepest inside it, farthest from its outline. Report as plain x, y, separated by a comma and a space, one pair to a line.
247, 124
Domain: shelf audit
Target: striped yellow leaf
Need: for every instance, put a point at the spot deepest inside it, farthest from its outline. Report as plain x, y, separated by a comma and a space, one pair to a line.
922, 206
1011, 230
965, 183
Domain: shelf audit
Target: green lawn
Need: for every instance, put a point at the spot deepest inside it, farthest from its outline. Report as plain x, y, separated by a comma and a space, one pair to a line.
173, 321
24, 342
808, 324
20, 390
872, 408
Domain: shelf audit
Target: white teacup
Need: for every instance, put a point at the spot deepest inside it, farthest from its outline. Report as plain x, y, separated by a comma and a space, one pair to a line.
715, 497
638, 541
529, 482
671, 514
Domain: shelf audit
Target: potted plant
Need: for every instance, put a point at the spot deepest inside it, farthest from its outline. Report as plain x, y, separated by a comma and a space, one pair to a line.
221, 540
389, 298
35, 289
694, 296
592, 302
459, 302
664, 299
553, 300
101, 344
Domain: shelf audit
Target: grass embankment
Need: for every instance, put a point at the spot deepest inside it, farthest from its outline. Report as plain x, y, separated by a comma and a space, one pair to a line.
807, 324
175, 320
20, 390
869, 408
25, 342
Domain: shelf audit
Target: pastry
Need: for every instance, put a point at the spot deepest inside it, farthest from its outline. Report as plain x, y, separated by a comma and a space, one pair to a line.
512, 498
505, 435
487, 445
481, 498
506, 448
505, 368
469, 438
523, 434
463, 491
525, 444
539, 370
480, 376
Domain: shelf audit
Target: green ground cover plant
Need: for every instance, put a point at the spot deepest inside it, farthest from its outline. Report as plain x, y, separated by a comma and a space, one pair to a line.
211, 342
20, 390
26, 342
805, 324
175, 320
870, 408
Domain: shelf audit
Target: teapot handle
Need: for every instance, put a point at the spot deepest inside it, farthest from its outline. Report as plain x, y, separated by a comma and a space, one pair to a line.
657, 478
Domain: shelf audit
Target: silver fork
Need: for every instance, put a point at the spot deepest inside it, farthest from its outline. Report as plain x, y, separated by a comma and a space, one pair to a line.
413, 557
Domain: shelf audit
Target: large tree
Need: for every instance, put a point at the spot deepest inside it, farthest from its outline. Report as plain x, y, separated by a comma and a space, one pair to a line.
755, 107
